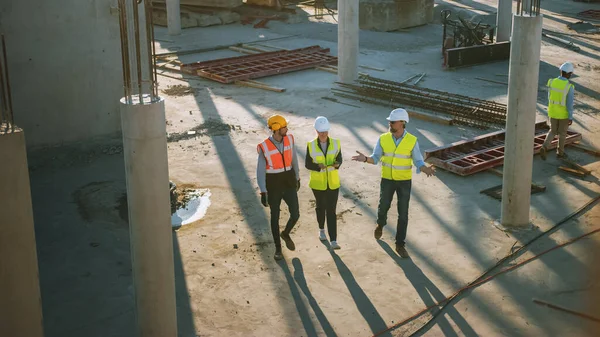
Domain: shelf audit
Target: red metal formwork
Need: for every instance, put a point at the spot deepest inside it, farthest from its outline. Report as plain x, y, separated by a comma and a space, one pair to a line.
593, 14
484, 152
229, 70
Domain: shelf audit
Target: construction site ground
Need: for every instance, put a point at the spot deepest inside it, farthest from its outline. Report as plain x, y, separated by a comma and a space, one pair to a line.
364, 288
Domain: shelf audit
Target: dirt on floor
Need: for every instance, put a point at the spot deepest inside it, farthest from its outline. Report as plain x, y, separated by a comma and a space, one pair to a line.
227, 280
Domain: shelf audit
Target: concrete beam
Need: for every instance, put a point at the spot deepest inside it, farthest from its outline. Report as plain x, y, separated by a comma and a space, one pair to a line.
504, 20
348, 40
147, 172
520, 121
174, 17
20, 298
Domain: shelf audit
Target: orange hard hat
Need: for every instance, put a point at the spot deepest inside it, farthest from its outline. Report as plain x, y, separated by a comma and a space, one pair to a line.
276, 122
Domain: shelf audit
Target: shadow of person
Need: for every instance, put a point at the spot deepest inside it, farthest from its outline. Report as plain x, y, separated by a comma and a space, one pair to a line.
300, 306
301, 281
430, 294
362, 301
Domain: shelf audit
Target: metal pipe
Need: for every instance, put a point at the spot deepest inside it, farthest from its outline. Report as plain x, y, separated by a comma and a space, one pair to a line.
3, 106
124, 47
9, 111
136, 27
149, 43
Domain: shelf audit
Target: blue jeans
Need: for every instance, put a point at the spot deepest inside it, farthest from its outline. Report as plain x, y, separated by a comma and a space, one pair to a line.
290, 196
386, 195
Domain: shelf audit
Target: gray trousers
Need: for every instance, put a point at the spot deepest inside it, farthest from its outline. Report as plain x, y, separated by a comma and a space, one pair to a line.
557, 127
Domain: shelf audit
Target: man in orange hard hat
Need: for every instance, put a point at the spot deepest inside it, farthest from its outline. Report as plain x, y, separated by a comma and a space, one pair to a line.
279, 179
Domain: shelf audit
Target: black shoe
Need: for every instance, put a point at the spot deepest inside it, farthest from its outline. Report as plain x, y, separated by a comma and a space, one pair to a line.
288, 241
278, 255
402, 251
562, 155
543, 153
378, 232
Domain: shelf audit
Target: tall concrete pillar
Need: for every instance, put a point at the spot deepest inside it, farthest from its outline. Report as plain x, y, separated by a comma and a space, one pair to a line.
20, 299
146, 168
504, 20
520, 121
347, 40
173, 17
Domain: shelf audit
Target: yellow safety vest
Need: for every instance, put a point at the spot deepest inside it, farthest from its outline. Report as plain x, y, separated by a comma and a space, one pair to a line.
396, 162
328, 177
557, 98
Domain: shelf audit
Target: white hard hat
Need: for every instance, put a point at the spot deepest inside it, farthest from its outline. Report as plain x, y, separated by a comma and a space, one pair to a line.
567, 67
398, 115
322, 124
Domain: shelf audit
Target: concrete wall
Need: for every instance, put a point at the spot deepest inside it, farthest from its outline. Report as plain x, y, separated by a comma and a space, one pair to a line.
65, 67
390, 15
20, 299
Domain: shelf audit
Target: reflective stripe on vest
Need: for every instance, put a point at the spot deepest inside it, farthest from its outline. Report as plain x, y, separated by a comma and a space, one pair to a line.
557, 98
277, 162
396, 161
328, 177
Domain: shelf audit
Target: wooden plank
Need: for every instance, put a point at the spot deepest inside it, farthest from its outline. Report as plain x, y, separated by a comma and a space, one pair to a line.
585, 148
430, 117
572, 171
259, 85
495, 172
575, 165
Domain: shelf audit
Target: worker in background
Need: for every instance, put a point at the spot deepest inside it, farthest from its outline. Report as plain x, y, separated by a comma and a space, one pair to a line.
323, 159
560, 109
279, 179
397, 150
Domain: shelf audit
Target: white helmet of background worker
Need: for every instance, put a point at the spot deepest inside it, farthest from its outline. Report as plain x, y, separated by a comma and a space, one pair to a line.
567, 67
398, 115
322, 124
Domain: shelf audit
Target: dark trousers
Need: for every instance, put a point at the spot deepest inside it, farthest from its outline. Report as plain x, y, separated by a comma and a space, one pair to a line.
290, 196
326, 204
386, 194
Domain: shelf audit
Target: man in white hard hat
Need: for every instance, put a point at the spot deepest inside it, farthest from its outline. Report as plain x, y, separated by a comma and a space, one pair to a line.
560, 109
323, 159
397, 150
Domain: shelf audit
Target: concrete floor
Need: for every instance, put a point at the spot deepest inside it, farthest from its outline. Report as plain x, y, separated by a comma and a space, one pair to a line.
363, 288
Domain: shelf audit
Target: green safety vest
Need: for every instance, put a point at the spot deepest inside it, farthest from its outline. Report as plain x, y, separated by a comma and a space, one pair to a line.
557, 98
396, 162
328, 177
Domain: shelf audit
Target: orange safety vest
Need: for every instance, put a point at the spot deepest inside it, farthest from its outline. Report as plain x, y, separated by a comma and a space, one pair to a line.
277, 162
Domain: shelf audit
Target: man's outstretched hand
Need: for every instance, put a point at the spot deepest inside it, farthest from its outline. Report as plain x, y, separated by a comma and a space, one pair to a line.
428, 170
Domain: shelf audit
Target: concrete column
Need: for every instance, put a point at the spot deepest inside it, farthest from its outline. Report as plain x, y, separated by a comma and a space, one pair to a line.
173, 17
147, 172
504, 20
347, 40
20, 299
520, 120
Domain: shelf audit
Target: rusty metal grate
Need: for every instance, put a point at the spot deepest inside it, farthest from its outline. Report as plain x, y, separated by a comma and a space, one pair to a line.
484, 152
593, 14
229, 70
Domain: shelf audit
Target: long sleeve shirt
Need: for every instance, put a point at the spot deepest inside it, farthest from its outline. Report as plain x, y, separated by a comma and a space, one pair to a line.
308, 161
261, 165
570, 98
417, 157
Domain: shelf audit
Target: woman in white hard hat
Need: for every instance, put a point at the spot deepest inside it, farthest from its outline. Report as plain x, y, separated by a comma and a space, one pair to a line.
398, 151
323, 159
560, 109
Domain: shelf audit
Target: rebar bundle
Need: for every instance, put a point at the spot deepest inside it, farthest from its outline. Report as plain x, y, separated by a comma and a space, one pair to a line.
7, 122
463, 109
138, 50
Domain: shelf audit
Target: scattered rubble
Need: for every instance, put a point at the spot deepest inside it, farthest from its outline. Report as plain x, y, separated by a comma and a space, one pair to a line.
179, 90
